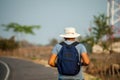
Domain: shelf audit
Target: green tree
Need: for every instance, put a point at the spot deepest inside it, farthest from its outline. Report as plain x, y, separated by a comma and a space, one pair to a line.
101, 29
20, 29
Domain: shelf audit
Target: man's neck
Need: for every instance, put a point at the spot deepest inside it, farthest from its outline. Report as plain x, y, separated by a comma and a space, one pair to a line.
70, 39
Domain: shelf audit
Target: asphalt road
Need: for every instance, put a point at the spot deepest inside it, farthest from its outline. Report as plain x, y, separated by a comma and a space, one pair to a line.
27, 70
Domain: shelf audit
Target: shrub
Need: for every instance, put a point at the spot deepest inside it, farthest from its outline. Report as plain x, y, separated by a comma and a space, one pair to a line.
8, 44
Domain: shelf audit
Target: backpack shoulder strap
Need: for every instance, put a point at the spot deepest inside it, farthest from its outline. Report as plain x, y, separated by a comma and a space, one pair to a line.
63, 43
73, 44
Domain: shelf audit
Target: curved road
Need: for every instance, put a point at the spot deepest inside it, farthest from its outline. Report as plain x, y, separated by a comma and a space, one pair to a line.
26, 70
3, 71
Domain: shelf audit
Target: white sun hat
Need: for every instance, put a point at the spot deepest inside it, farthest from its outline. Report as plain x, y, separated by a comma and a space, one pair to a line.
70, 32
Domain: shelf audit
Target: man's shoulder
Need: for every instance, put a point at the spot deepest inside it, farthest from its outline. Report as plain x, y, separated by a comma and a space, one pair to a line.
80, 44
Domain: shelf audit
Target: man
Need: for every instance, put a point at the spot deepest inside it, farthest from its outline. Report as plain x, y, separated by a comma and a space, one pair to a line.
70, 37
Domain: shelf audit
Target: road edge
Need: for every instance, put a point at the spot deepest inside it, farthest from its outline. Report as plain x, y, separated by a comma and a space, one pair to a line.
8, 69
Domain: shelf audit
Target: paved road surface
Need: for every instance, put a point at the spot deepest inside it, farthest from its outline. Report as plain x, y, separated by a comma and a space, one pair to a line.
26, 70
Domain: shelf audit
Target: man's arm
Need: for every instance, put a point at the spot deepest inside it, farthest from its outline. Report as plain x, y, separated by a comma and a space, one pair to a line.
85, 59
52, 60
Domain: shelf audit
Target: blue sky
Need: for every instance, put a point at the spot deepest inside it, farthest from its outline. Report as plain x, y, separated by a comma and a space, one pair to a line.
52, 15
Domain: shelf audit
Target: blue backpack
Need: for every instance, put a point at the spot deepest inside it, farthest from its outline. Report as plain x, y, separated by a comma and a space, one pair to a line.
68, 62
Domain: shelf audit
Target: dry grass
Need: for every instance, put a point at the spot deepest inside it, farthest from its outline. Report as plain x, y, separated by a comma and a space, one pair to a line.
36, 54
